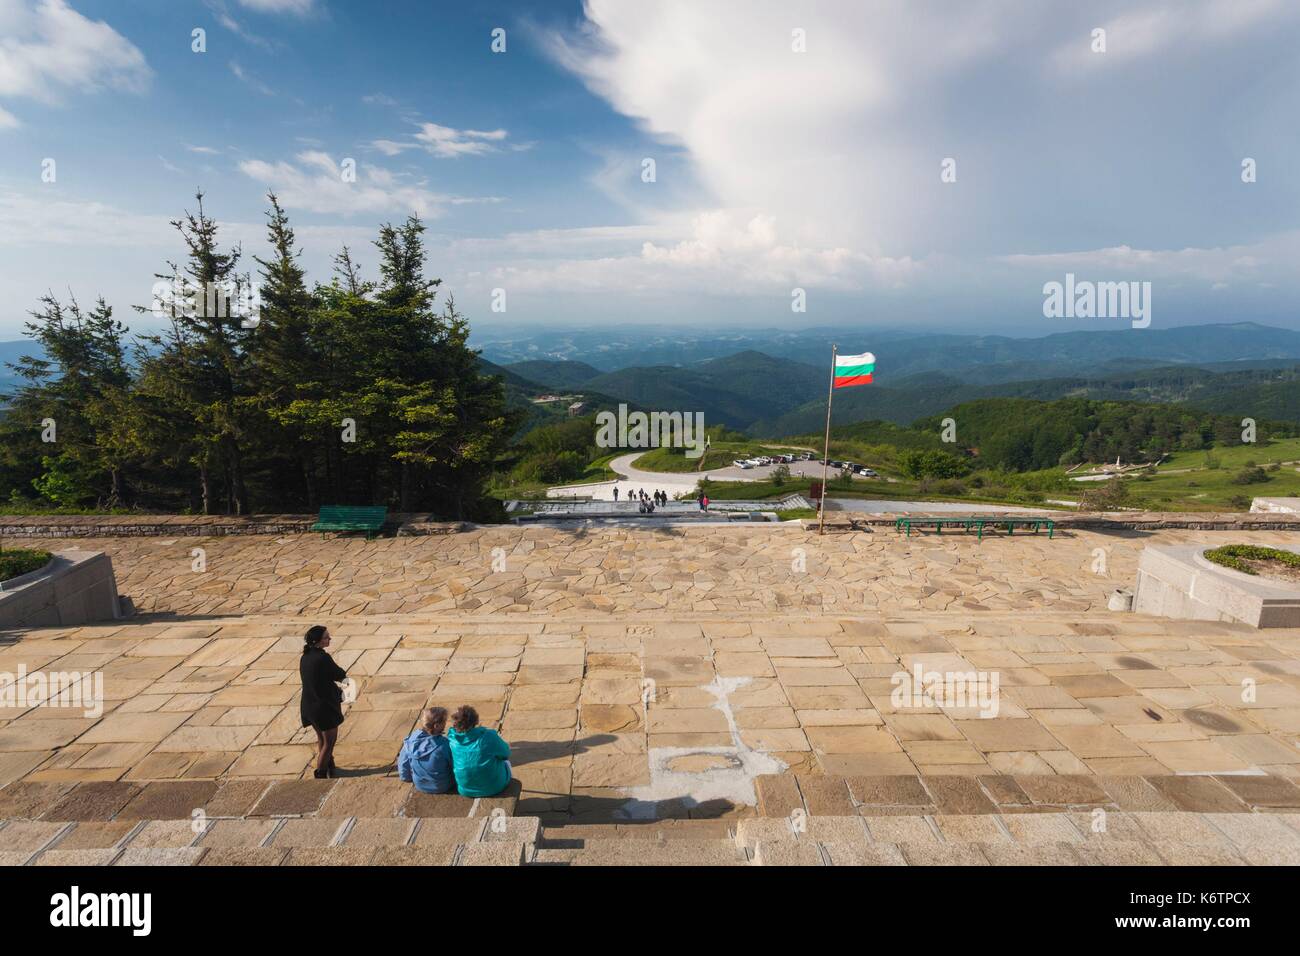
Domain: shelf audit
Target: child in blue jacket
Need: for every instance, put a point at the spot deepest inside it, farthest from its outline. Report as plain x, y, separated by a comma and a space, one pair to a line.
425, 759
479, 757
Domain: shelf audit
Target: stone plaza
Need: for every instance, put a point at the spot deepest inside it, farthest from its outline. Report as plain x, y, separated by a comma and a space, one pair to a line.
712, 694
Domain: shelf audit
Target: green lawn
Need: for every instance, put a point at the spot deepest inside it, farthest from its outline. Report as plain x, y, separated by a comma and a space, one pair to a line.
1190, 482
719, 455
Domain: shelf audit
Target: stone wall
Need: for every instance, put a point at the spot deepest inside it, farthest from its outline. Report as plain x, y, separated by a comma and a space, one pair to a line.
1093, 520
1177, 581
75, 588
172, 526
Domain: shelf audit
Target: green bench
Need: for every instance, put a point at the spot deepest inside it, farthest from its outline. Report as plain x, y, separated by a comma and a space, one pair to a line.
367, 518
977, 522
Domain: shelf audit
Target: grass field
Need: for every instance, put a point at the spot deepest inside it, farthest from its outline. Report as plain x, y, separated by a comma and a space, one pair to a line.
595, 473
1204, 480
719, 455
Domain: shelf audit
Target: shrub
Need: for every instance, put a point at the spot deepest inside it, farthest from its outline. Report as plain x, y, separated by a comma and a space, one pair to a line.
1111, 495
932, 464
1250, 475
21, 561
1235, 555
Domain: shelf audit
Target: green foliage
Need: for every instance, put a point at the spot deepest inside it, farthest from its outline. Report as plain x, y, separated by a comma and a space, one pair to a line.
61, 482
217, 414
779, 475
932, 464
21, 561
1109, 495
1250, 475
1017, 434
1235, 556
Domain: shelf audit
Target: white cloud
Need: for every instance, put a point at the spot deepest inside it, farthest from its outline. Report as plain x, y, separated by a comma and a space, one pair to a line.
1273, 256
842, 144
315, 183
716, 253
249, 80
448, 143
1134, 34
296, 7
26, 219
47, 49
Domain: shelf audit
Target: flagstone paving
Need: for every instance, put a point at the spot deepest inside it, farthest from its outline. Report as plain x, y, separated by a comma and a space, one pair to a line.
721, 569
689, 675
601, 713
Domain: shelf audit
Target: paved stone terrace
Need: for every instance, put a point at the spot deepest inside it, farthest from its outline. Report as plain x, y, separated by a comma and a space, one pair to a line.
806, 821
769, 692
730, 700
720, 570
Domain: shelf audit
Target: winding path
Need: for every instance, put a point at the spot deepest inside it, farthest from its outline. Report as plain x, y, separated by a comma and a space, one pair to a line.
674, 483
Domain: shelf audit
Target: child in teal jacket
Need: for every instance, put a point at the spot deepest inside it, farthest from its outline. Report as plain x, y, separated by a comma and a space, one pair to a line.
480, 759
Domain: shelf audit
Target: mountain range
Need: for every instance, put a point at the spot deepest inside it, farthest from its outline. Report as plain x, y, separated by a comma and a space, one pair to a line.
773, 383
1241, 368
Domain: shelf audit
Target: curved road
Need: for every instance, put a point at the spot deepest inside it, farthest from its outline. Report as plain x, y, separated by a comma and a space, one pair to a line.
673, 483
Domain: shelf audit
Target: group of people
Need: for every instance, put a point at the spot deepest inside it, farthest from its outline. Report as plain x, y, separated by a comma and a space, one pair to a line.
648, 503
467, 759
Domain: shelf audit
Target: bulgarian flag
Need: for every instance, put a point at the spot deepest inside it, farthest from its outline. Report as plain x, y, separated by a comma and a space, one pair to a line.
854, 369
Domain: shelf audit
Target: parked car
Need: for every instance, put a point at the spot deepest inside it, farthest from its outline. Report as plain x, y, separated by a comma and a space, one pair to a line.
741, 463
864, 471
806, 456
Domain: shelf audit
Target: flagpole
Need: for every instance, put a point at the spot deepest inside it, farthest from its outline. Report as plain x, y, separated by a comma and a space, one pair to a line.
826, 455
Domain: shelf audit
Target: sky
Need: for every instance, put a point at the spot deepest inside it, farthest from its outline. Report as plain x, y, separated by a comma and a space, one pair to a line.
923, 165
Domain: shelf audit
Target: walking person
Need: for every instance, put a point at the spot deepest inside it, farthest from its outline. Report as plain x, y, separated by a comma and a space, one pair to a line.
480, 758
616, 492
322, 698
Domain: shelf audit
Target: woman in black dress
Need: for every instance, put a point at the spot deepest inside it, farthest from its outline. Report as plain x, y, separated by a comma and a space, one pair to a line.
322, 698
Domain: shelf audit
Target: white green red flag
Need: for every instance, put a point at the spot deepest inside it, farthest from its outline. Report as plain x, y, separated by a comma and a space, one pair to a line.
854, 369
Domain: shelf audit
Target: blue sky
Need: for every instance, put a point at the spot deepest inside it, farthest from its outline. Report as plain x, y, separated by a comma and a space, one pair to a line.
775, 168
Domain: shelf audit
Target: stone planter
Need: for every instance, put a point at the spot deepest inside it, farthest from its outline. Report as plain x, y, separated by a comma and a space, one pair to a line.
75, 588
1179, 582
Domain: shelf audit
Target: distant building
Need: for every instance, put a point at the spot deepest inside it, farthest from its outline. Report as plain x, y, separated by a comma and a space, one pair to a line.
576, 408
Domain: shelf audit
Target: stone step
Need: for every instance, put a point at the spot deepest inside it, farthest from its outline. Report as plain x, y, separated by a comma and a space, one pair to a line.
119, 800
642, 852
271, 840
556, 837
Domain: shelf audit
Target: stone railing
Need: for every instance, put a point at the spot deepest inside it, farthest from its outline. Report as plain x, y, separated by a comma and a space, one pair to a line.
74, 588
842, 521
167, 526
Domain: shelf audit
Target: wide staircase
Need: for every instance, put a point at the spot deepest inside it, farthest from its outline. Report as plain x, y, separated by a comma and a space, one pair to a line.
799, 821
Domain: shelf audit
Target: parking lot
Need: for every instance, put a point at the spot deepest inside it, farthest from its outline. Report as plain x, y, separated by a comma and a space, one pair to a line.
811, 468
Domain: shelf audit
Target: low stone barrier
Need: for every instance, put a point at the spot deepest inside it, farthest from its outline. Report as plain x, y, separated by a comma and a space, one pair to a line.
167, 526
1178, 581
75, 588
845, 521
